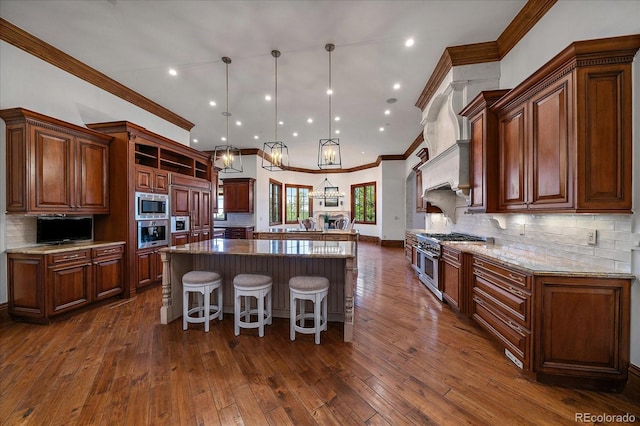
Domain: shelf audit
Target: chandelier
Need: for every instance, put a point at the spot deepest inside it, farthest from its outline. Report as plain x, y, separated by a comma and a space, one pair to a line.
329, 149
275, 155
227, 158
326, 190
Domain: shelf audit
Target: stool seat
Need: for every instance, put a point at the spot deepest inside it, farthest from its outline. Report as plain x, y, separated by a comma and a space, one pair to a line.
199, 277
308, 284
252, 281
246, 286
316, 290
204, 283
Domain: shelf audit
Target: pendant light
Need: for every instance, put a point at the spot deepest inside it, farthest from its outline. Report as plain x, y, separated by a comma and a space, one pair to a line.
329, 149
227, 158
275, 155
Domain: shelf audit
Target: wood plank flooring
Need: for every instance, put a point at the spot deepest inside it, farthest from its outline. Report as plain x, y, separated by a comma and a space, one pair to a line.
412, 362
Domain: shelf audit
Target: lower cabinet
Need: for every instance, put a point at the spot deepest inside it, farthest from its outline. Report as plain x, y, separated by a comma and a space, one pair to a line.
149, 267
565, 330
453, 278
239, 232
42, 286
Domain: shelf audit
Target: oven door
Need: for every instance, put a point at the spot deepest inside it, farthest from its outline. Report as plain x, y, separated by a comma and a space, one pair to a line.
428, 273
153, 233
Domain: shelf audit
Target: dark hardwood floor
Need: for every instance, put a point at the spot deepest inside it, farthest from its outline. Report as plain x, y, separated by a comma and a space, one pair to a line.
412, 361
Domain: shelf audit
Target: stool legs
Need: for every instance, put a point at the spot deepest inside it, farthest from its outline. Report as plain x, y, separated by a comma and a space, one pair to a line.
263, 310
319, 315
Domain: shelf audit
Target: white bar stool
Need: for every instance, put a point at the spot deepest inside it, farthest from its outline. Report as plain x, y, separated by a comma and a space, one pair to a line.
246, 286
315, 289
202, 282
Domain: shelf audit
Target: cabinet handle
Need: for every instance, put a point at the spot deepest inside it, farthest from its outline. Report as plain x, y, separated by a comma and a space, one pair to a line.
515, 326
477, 262
517, 292
516, 277
478, 301
110, 250
73, 256
479, 273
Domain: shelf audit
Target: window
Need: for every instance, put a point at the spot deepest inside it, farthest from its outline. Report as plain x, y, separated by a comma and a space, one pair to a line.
275, 202
363, 203
220, 214
297, 203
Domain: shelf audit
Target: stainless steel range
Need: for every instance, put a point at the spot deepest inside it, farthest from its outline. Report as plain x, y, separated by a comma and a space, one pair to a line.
429, 251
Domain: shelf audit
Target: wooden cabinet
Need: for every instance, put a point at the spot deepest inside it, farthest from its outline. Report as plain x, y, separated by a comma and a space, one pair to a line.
239, 232
501, 303
565, 330
582, 331
42, 286
410, 242
180, 238
564, 134
192, 198
453, 278
108, 271
148, 179
53, 166
483, 151
149, 267
238, 195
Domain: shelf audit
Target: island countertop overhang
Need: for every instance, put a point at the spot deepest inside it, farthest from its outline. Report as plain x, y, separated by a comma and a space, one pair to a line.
287, 248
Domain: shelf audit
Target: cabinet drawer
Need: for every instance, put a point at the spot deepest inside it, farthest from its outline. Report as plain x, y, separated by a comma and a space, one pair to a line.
506, 275
514, 338
329, 237
107, 251
454, 256
70, 257
514, 306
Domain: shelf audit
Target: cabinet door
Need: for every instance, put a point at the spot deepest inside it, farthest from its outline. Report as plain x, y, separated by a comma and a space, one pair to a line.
180, 201
54, 171
108, 279
161, 182
68, 287
451, 279
205, 210
194, 208
144, 179
512, 145
551, 183
26, 285
599, 346
477, 164
180, 239
92, 176
145, 267
157, 266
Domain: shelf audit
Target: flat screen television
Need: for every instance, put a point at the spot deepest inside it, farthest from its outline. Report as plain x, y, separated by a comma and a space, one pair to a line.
58, 230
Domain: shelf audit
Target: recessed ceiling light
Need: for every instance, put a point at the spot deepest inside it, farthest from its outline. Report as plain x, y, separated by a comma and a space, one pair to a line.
387, 111
363, 152
329, 92
381, 129
295, 133
396, 86
309, 120
337, 132
238, 123
212, 103
173, 72
223, 139
409, 42
267, 97
195, 141
255, 136
337, 118
281, 123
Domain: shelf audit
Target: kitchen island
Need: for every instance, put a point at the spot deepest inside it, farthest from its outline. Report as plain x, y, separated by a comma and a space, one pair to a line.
281, 259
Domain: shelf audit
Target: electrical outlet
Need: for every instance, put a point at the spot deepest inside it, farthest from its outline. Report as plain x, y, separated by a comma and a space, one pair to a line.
520, 228
592, 237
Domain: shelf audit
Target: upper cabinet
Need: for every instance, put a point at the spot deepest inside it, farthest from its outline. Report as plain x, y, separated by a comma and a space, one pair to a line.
53, 166
238, 195
564, 134
483, 151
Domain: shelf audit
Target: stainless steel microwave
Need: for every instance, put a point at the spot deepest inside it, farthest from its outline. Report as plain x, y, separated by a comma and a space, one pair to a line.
151, 206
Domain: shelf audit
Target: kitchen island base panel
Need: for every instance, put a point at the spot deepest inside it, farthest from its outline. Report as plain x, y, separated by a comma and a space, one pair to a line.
341, 273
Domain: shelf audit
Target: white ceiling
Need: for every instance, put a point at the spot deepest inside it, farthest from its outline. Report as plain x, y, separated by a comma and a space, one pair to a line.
136, 42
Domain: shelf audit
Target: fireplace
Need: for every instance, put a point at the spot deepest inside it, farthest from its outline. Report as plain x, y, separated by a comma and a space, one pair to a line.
334, 216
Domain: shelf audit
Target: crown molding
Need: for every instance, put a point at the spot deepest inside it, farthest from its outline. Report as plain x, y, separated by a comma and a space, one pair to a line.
489, 51
48, 53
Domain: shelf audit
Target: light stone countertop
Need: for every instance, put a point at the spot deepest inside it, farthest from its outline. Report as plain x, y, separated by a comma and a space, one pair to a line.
61, 248
536, 263
285, 248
